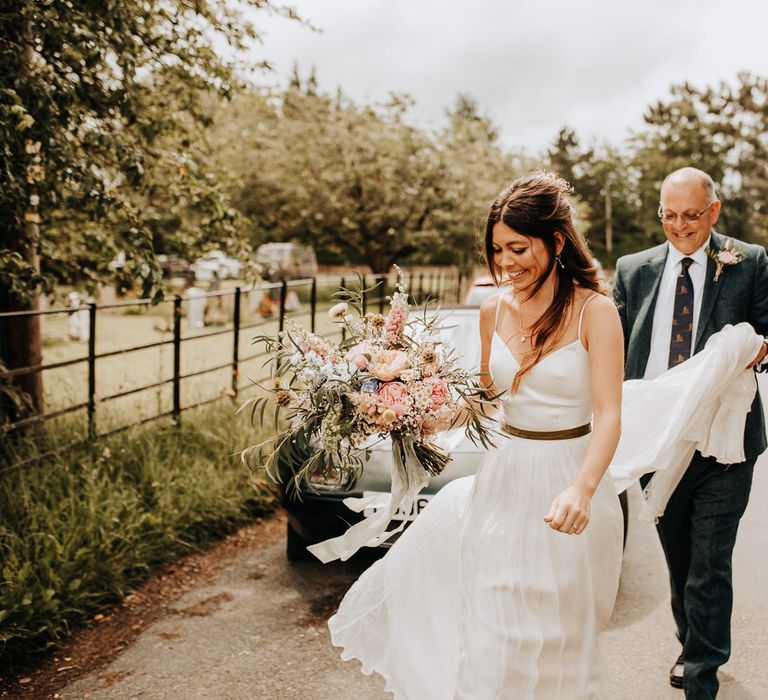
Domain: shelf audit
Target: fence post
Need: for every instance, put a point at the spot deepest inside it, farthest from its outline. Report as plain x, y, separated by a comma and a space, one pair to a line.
342, 287
313, 304
283, 294
92, 371
364, 295
382, 293
236, 342
421, 287
458, 286
176, 411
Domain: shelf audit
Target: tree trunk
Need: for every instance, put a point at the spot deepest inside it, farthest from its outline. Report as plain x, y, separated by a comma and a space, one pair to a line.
20, 347
20, 344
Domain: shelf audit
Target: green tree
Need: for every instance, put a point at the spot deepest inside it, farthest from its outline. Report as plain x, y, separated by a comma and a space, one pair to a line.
606, 192
683, 131
356, 181
477, 169
567, 158
99, 106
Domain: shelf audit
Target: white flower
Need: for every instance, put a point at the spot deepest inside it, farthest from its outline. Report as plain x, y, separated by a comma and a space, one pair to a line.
338, 311
343, 372
312, 359
311, 377
410, 375
731, 254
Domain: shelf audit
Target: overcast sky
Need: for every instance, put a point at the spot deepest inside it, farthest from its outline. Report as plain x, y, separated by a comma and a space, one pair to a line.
532, 65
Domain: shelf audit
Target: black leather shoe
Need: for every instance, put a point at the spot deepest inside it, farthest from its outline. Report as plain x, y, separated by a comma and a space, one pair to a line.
676, 673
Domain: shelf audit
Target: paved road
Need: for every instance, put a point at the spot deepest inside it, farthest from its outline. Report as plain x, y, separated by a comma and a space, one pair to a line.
258, 632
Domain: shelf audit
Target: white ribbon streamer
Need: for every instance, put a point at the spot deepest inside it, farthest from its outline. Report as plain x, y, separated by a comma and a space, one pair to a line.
408, 478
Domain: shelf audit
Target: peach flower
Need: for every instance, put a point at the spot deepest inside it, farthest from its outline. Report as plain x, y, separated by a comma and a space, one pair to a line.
388, 364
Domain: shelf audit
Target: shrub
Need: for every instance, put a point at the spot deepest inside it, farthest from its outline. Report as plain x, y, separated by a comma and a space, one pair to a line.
78, 531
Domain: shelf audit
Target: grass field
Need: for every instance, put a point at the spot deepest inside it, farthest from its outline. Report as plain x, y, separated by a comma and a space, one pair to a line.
122, 329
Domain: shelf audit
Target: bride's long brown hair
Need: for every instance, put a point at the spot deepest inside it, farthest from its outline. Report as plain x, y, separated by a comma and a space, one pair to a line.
537, 206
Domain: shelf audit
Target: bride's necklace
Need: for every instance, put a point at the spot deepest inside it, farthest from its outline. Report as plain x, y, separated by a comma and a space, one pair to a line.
523, 337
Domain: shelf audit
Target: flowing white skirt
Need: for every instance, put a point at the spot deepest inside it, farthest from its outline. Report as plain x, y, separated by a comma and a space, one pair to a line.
479, 599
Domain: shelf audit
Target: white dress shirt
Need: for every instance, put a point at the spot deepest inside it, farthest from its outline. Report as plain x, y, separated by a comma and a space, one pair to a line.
661, 331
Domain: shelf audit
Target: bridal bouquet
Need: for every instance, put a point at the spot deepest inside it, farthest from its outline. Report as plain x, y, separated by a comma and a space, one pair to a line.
390, 377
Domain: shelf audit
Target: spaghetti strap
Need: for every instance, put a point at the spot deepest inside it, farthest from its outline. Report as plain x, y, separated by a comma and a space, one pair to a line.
498, 308
581, 314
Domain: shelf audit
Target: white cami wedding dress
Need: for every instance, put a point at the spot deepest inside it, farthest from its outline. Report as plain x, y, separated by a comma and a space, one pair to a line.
480, 599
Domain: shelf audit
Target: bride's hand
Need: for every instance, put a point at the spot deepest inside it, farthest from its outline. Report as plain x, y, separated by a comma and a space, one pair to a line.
569, 512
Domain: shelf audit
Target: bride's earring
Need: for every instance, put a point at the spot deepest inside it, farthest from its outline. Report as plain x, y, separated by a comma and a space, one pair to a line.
559, 262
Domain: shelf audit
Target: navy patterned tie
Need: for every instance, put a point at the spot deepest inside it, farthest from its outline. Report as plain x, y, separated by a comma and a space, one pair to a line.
682, 316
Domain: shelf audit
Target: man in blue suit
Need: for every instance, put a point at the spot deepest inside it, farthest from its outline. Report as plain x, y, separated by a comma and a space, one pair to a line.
671, 299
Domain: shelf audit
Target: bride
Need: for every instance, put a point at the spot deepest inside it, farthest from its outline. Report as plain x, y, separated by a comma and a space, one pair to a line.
500, 587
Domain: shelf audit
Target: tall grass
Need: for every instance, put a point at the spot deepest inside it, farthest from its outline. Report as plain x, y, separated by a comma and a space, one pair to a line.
79, 531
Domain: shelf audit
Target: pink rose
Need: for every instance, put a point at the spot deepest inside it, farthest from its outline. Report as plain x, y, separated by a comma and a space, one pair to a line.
389, 364
394, 396
438, 393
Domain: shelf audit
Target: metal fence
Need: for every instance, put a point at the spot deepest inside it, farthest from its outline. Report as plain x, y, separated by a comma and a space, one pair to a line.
444, 286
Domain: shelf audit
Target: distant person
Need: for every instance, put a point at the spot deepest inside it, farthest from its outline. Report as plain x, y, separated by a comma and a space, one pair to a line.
671, 299
196, 305
78, 324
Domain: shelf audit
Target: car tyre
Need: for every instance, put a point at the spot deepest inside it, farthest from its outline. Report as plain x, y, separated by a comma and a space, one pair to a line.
296, 546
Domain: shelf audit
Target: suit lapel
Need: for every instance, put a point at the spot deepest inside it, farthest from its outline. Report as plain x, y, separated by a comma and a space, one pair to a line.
640, 344
711, 290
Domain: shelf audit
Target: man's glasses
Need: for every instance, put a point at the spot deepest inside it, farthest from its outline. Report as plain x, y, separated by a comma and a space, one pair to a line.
669, 217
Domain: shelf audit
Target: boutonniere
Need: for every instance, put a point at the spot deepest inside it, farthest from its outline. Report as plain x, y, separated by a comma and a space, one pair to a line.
730, 254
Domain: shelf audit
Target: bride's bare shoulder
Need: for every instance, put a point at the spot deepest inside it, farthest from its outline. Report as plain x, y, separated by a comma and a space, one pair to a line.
490, 303
597, 309
488, 309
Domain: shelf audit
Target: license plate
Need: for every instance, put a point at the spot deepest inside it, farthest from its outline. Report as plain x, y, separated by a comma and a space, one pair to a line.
418, 505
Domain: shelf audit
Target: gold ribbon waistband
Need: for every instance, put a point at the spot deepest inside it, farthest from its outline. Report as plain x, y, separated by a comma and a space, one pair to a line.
547, 434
